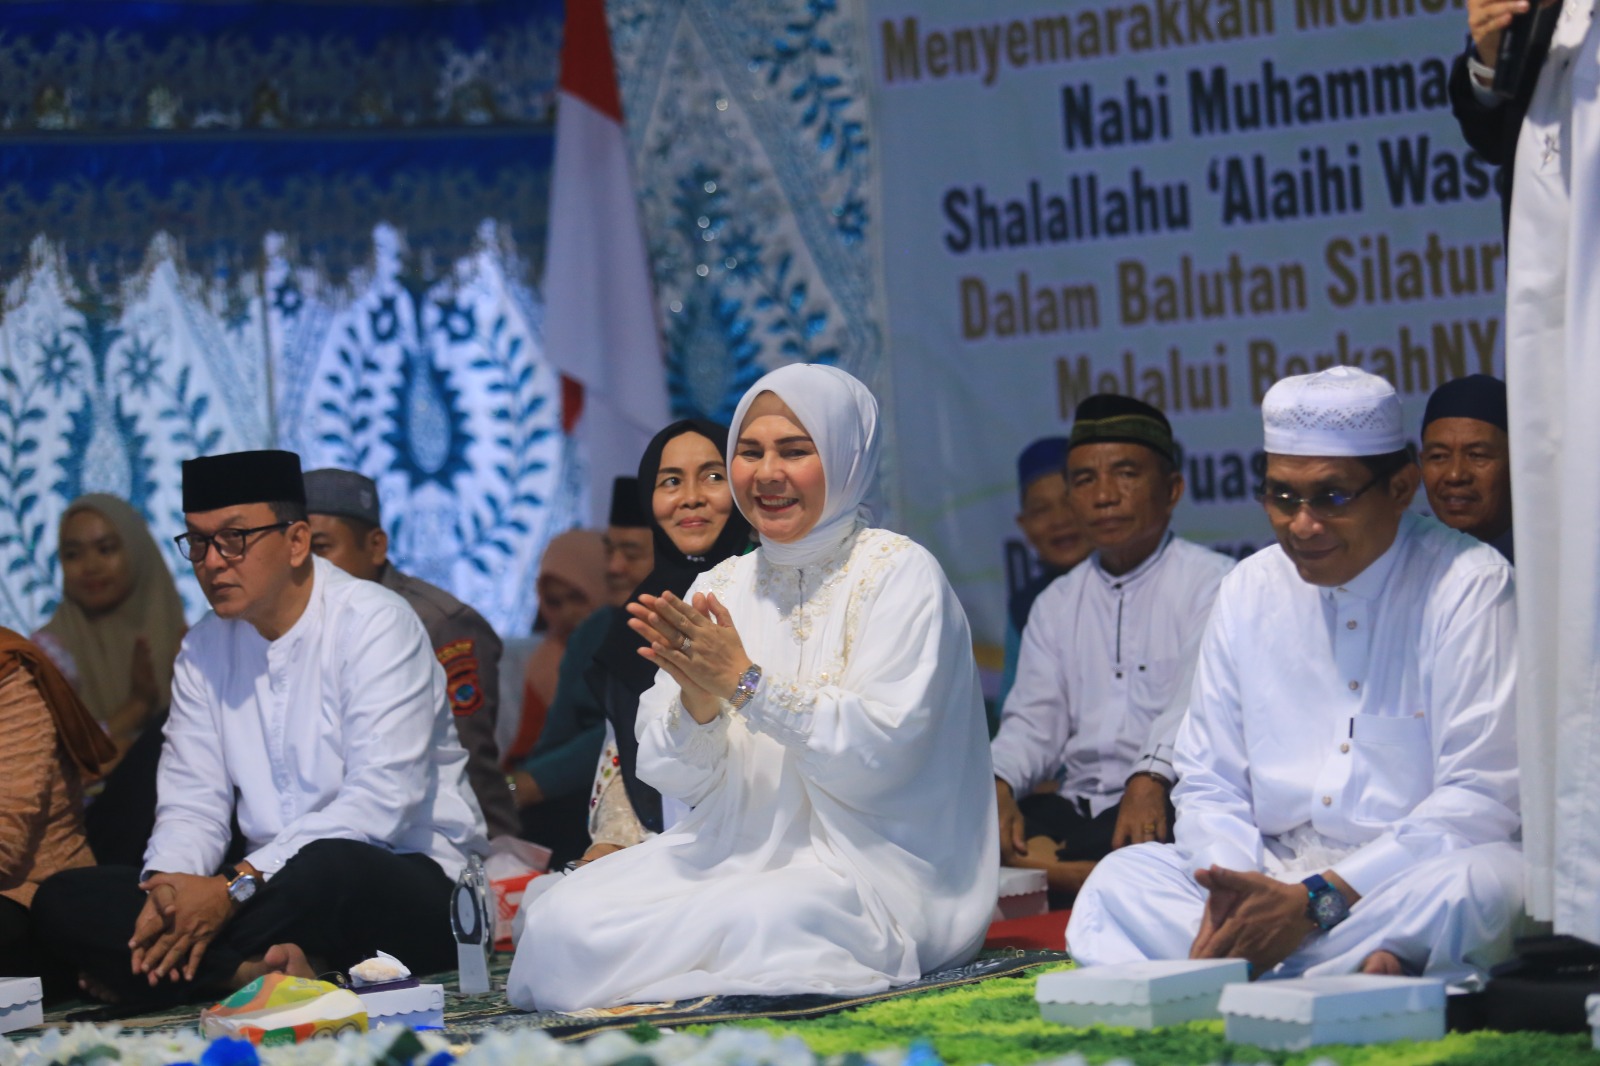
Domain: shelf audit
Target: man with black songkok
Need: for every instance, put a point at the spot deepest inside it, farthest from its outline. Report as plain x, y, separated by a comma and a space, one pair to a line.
552, 781
347, 530
1107, 656
309, 704
1466, 459
630, 551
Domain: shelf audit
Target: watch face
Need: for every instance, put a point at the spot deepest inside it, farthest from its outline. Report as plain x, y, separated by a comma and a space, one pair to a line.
1329, 909
242, 889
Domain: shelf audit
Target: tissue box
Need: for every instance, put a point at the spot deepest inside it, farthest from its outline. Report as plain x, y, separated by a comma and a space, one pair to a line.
1352, 1009
1023, 893
21, 1003
1138, 994
420, 1006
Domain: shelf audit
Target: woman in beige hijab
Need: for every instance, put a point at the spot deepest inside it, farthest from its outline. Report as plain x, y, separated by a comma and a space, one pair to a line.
120, 620
115, 635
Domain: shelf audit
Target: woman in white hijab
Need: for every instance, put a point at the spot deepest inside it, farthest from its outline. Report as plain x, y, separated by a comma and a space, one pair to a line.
818, 708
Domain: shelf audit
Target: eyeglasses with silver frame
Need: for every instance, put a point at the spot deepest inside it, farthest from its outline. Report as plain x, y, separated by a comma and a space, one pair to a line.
1328, 504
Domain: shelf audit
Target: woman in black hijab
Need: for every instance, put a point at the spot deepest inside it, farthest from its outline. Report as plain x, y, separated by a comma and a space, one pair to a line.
683, 483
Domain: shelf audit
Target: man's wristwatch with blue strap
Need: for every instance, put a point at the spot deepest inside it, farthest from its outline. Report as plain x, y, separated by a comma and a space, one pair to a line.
1325, 905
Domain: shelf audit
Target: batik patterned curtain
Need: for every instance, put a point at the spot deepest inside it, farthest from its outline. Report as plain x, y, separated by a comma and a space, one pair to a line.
312, 226
748, 120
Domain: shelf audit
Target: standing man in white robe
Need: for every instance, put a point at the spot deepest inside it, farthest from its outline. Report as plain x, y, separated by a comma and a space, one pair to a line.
1347, 777
1107, 656
818, 707
1553, 380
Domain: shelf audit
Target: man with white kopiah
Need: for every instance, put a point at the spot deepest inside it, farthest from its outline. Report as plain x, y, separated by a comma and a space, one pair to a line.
1107, 657
1347, 769
817, 706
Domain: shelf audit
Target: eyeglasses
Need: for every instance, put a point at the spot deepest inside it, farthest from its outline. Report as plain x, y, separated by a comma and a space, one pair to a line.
1330, 504
231, 543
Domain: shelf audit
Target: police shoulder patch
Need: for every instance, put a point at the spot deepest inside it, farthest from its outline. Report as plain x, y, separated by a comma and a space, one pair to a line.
460, 661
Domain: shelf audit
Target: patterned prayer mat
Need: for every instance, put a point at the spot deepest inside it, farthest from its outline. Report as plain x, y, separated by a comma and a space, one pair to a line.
468, 1017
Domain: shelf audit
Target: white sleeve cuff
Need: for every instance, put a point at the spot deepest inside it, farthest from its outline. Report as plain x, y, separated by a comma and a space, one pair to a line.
1377, 861
783, 710
1158, 762
270, 859
1482, 77
698, 745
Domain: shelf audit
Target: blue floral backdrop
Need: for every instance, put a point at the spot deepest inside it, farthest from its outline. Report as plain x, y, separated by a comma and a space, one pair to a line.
313, 226
320, 226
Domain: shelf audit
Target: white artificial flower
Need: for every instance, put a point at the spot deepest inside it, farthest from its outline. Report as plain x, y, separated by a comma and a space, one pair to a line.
604, 1049
520, 1047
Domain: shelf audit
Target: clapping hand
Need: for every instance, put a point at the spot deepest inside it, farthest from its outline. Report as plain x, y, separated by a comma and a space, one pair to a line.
697, 645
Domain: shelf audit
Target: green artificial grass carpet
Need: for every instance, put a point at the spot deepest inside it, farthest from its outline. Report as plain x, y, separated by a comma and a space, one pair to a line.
997, 1021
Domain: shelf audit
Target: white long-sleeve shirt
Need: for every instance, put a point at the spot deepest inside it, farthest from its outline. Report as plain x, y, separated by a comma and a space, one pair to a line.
1104, 673
1374, 719
340, 729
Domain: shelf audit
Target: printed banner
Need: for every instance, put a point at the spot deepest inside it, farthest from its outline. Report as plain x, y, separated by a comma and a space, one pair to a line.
1179, 201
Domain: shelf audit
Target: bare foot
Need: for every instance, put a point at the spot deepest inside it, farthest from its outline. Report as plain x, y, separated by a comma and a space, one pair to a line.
97, 990
1040, 854
1383, 962
279, 958
289, 959
1067, 878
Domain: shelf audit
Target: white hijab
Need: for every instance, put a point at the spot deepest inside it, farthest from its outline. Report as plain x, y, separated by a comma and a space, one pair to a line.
842, 418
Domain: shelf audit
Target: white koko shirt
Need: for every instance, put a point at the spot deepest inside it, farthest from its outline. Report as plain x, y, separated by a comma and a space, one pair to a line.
1374, 719
1104, 673
340, 729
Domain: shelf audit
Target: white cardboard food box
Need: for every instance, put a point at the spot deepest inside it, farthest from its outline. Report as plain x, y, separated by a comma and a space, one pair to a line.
1023, 893
21, 1003
1292, 1015
420, 1007
1592, 1005
1138, 994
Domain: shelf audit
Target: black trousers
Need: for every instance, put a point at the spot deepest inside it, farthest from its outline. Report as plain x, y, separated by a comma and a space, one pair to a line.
120, 820
16, 940
22, 955
1079, 836
339, 900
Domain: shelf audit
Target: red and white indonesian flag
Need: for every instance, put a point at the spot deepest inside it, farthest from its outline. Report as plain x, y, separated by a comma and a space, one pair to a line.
600, 328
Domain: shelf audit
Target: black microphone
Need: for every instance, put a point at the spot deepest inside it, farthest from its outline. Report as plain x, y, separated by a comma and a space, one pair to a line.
1527, 36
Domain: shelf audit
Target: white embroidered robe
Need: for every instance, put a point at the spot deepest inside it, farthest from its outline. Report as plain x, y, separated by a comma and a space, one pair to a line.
843, 824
